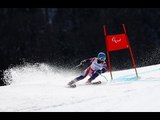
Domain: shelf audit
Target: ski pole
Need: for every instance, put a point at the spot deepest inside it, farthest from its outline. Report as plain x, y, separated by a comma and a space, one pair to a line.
77, 66
104, 77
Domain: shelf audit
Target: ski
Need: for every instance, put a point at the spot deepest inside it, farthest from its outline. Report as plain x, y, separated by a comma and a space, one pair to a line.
95, 83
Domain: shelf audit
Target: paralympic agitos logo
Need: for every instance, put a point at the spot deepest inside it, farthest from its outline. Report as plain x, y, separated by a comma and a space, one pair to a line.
115, 40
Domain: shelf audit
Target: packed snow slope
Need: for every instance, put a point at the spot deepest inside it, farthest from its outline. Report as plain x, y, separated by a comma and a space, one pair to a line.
41, 88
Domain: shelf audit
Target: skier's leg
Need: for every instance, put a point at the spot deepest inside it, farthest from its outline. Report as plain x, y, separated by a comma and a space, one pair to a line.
79, 78
92, 78
85, 73
76, 79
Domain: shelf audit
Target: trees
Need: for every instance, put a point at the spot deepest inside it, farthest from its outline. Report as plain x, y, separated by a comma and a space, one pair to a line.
68, 35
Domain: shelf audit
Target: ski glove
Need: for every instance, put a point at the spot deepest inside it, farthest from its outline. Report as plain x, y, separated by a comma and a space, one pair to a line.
82, 62
99, 71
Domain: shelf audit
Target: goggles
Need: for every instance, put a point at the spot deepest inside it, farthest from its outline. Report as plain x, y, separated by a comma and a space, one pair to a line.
101, 59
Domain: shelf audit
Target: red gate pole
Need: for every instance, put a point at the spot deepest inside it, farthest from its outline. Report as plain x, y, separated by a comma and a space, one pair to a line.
133, 61
130, 50
109, 64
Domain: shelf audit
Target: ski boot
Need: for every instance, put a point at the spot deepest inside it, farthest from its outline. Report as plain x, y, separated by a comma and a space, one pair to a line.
89, 81
72, 83
92, 83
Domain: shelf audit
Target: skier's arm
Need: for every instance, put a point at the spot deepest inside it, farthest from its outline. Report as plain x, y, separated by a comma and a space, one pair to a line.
104, 69
101, 71
87, 60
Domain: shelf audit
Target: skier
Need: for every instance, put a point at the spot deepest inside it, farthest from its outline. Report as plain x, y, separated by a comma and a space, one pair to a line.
98, 66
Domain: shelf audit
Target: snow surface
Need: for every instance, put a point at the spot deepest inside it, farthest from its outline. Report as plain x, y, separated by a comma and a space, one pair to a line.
41, 88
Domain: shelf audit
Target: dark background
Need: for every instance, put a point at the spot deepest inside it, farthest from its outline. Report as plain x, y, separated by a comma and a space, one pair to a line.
65, 36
